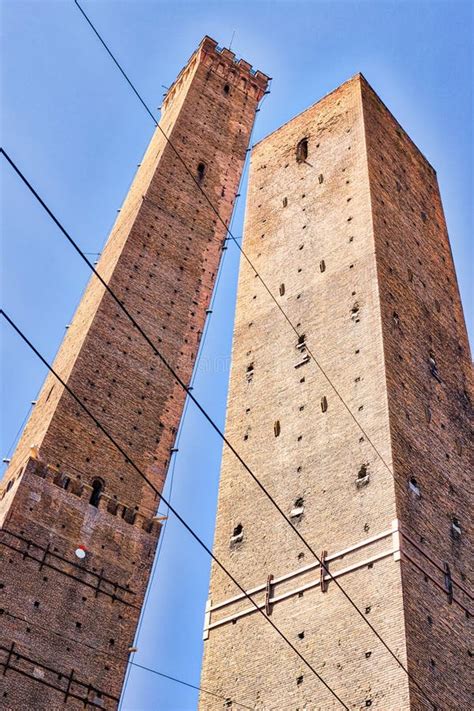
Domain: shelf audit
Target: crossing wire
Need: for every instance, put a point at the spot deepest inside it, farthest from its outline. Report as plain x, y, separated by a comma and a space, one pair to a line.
241, 250
293, 327
212, 423
109, 654
168, 504
280, 308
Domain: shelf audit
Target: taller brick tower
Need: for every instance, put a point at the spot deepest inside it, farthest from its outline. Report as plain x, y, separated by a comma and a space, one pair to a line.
345, 225
78, 532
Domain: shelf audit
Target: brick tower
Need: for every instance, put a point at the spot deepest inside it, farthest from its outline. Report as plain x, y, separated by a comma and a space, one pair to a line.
68, 618
344, 223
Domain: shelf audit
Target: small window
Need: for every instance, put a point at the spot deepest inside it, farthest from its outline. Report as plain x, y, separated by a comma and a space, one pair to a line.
355, 313
97, 488
363, 476
249, 373
320, 178
277, 428
322, 266
298, 509
201, 169
237, 535
285, 202
433, 366
413, 486
226, 88
282, 289
302, 151
324, 403
456, 528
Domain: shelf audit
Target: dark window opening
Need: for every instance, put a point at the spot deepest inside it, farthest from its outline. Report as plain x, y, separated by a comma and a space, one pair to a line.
433, 366
226, 89
249, 373
355, 313
302, 150
282, 289
456, 528
324, 403
237, 535
322, 265
285, 202
277, 428
413, 486
363, 476
201, 169
97, 488
320, 178
299, 680
298, 509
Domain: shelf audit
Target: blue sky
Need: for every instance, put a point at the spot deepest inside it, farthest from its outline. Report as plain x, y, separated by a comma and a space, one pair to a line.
77, 131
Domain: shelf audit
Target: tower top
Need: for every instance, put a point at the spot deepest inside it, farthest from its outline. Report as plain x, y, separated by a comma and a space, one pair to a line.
238, 72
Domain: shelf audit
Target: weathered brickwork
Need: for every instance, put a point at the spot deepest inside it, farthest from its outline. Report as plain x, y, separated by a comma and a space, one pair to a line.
67, 622
429, 385
334, 235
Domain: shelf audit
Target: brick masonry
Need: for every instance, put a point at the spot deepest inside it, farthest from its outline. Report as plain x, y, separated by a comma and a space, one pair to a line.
352, 242
67, 623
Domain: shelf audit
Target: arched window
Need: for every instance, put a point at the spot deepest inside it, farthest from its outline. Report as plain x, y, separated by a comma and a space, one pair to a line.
302, 150
97, 489
201, 169
226, 88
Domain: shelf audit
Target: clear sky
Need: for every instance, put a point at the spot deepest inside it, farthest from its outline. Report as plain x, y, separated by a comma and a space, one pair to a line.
76, 130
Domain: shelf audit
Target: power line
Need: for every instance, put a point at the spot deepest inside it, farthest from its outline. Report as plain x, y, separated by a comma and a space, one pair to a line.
254, 269
257, 274
119, 656
14, 441
246, 257
168, 504
209, 419
234, 239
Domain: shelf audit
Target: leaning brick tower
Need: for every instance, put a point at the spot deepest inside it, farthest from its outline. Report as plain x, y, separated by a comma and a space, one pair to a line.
78, 526
345, 225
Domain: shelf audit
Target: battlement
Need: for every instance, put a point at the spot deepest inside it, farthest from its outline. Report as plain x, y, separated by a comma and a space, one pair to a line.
238, 73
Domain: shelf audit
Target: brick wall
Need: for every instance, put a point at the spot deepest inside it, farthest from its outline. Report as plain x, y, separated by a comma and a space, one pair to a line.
429, 401
161, 260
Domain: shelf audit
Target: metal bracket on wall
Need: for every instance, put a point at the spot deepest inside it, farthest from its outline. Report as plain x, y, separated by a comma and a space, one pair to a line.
268, 593
267, 589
